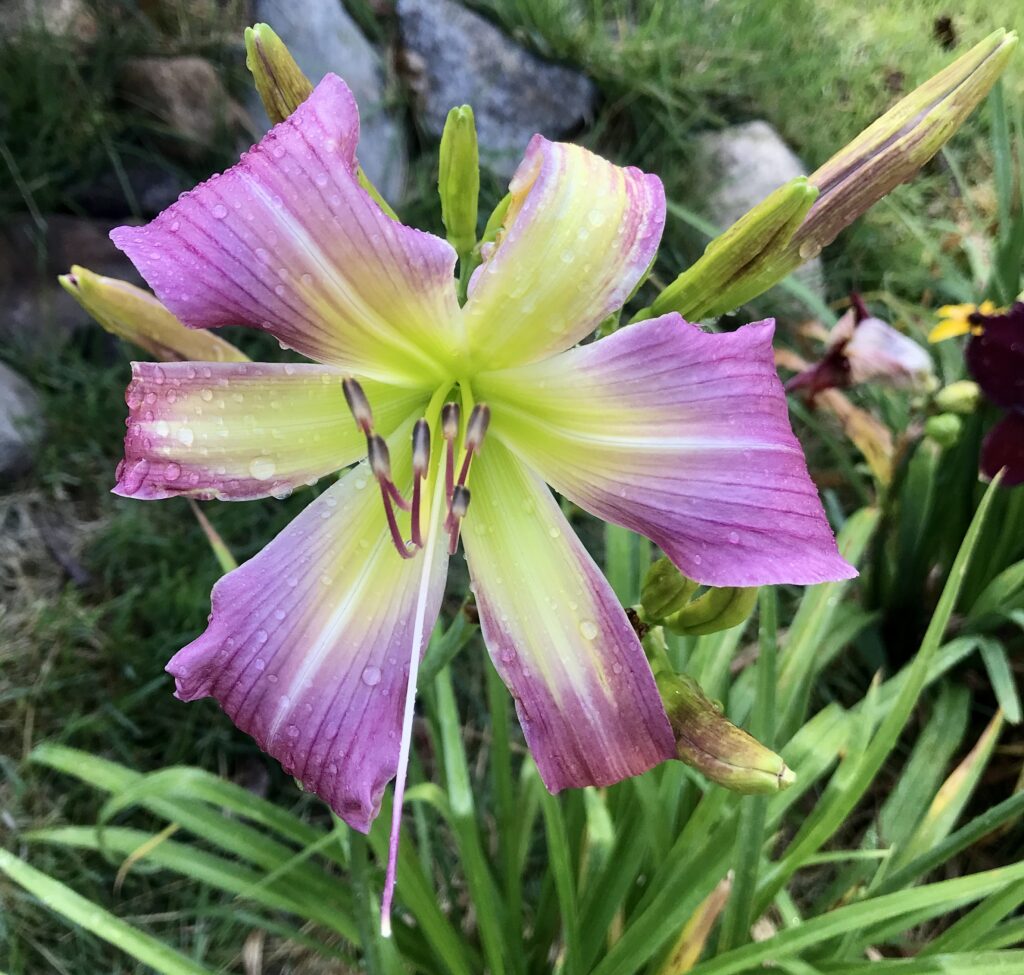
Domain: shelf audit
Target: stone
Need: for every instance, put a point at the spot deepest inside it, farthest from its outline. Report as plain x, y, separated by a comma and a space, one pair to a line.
186, 96
454, 56
322, 38
736, 168
36, 314
21, 424
65, 18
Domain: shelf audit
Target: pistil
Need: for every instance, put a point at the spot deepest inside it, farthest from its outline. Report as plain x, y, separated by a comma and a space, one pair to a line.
420, 463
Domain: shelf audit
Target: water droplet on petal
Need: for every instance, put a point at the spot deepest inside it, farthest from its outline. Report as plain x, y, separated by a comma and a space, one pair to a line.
262, 468
734, 538
172, 471
589, 630
220, 211
185, 435
371, 676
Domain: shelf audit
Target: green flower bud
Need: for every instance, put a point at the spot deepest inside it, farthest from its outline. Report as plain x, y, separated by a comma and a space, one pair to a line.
741, 263
959, 397
709, 742
714, 610
459, 179
944, 429
665, 591
890, 151
279, 80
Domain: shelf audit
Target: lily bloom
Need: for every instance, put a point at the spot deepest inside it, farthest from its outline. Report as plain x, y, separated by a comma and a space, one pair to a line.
454, 418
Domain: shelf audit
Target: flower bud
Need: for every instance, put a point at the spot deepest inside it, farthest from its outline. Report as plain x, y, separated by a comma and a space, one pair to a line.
665, 590
740, 264
281, 85
714, 610
944, 429
712, 744
897, 145
959, 397
137, 317
458, 181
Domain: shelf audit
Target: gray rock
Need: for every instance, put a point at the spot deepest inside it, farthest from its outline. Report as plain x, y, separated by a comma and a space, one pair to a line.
21, 424
72, 18
185, 96
36, 314
455, 57
322, 38
738, 167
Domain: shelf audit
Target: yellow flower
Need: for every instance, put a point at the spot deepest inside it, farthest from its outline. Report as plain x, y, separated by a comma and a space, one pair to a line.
956, 320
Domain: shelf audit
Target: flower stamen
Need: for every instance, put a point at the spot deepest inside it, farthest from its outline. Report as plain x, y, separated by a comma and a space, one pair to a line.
450, 430
380, 463
457, 511
358, 404
420, 463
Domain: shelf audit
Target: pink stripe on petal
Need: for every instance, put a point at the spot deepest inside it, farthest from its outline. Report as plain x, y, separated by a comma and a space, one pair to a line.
288, 241
584, 692
309, 644
237, 431
680, 435
579, 235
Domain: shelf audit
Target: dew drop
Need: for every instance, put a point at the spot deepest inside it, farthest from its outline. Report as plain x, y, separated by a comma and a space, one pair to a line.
259, 663
293, 731
172, 471
185, 435
262, 468
734, 538
371, 676
220, 211
279, 614
554, 531
261, 636
133, 476
206, 394
588, 629
161, 428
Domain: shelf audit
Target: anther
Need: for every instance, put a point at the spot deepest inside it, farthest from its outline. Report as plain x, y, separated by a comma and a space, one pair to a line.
358, 404
420, 463
380, 463
450, 430
457, 511
479, 420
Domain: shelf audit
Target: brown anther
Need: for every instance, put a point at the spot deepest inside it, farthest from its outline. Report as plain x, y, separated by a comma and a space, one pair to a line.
420, 448
358, 404
456, 512
450, 420
379, 457
479, 420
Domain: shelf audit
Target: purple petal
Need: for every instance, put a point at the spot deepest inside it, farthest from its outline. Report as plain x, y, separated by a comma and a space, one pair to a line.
682, 436
309, 646
579, 235
1004, 448
995, 358
288, 241
237, 431
584, 692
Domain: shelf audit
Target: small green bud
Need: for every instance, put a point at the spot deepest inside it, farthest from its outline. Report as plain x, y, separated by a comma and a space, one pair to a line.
279, 80
944, 429
709, 742
665, 591
740, 264
458, 179
959, 397
714, 610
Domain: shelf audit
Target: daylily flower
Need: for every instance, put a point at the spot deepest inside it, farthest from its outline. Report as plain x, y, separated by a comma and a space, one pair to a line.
865, 349
454, 417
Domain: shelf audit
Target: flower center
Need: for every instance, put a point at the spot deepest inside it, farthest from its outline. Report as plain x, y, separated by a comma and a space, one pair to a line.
457, 495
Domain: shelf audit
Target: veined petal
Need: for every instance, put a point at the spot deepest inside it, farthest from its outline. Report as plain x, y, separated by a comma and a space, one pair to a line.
584, 692
237, 431
288, 241
309, 645
579, 235
995, 357
682, 436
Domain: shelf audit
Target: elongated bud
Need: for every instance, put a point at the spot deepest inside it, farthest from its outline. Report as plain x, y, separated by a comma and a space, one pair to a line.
959, 397
450, 421
476, 428
379, 457
741, 263
420, 448
665, 591
709, 742
898, 144
281, 85
358, 404
714, 610
458, 181
137, 317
